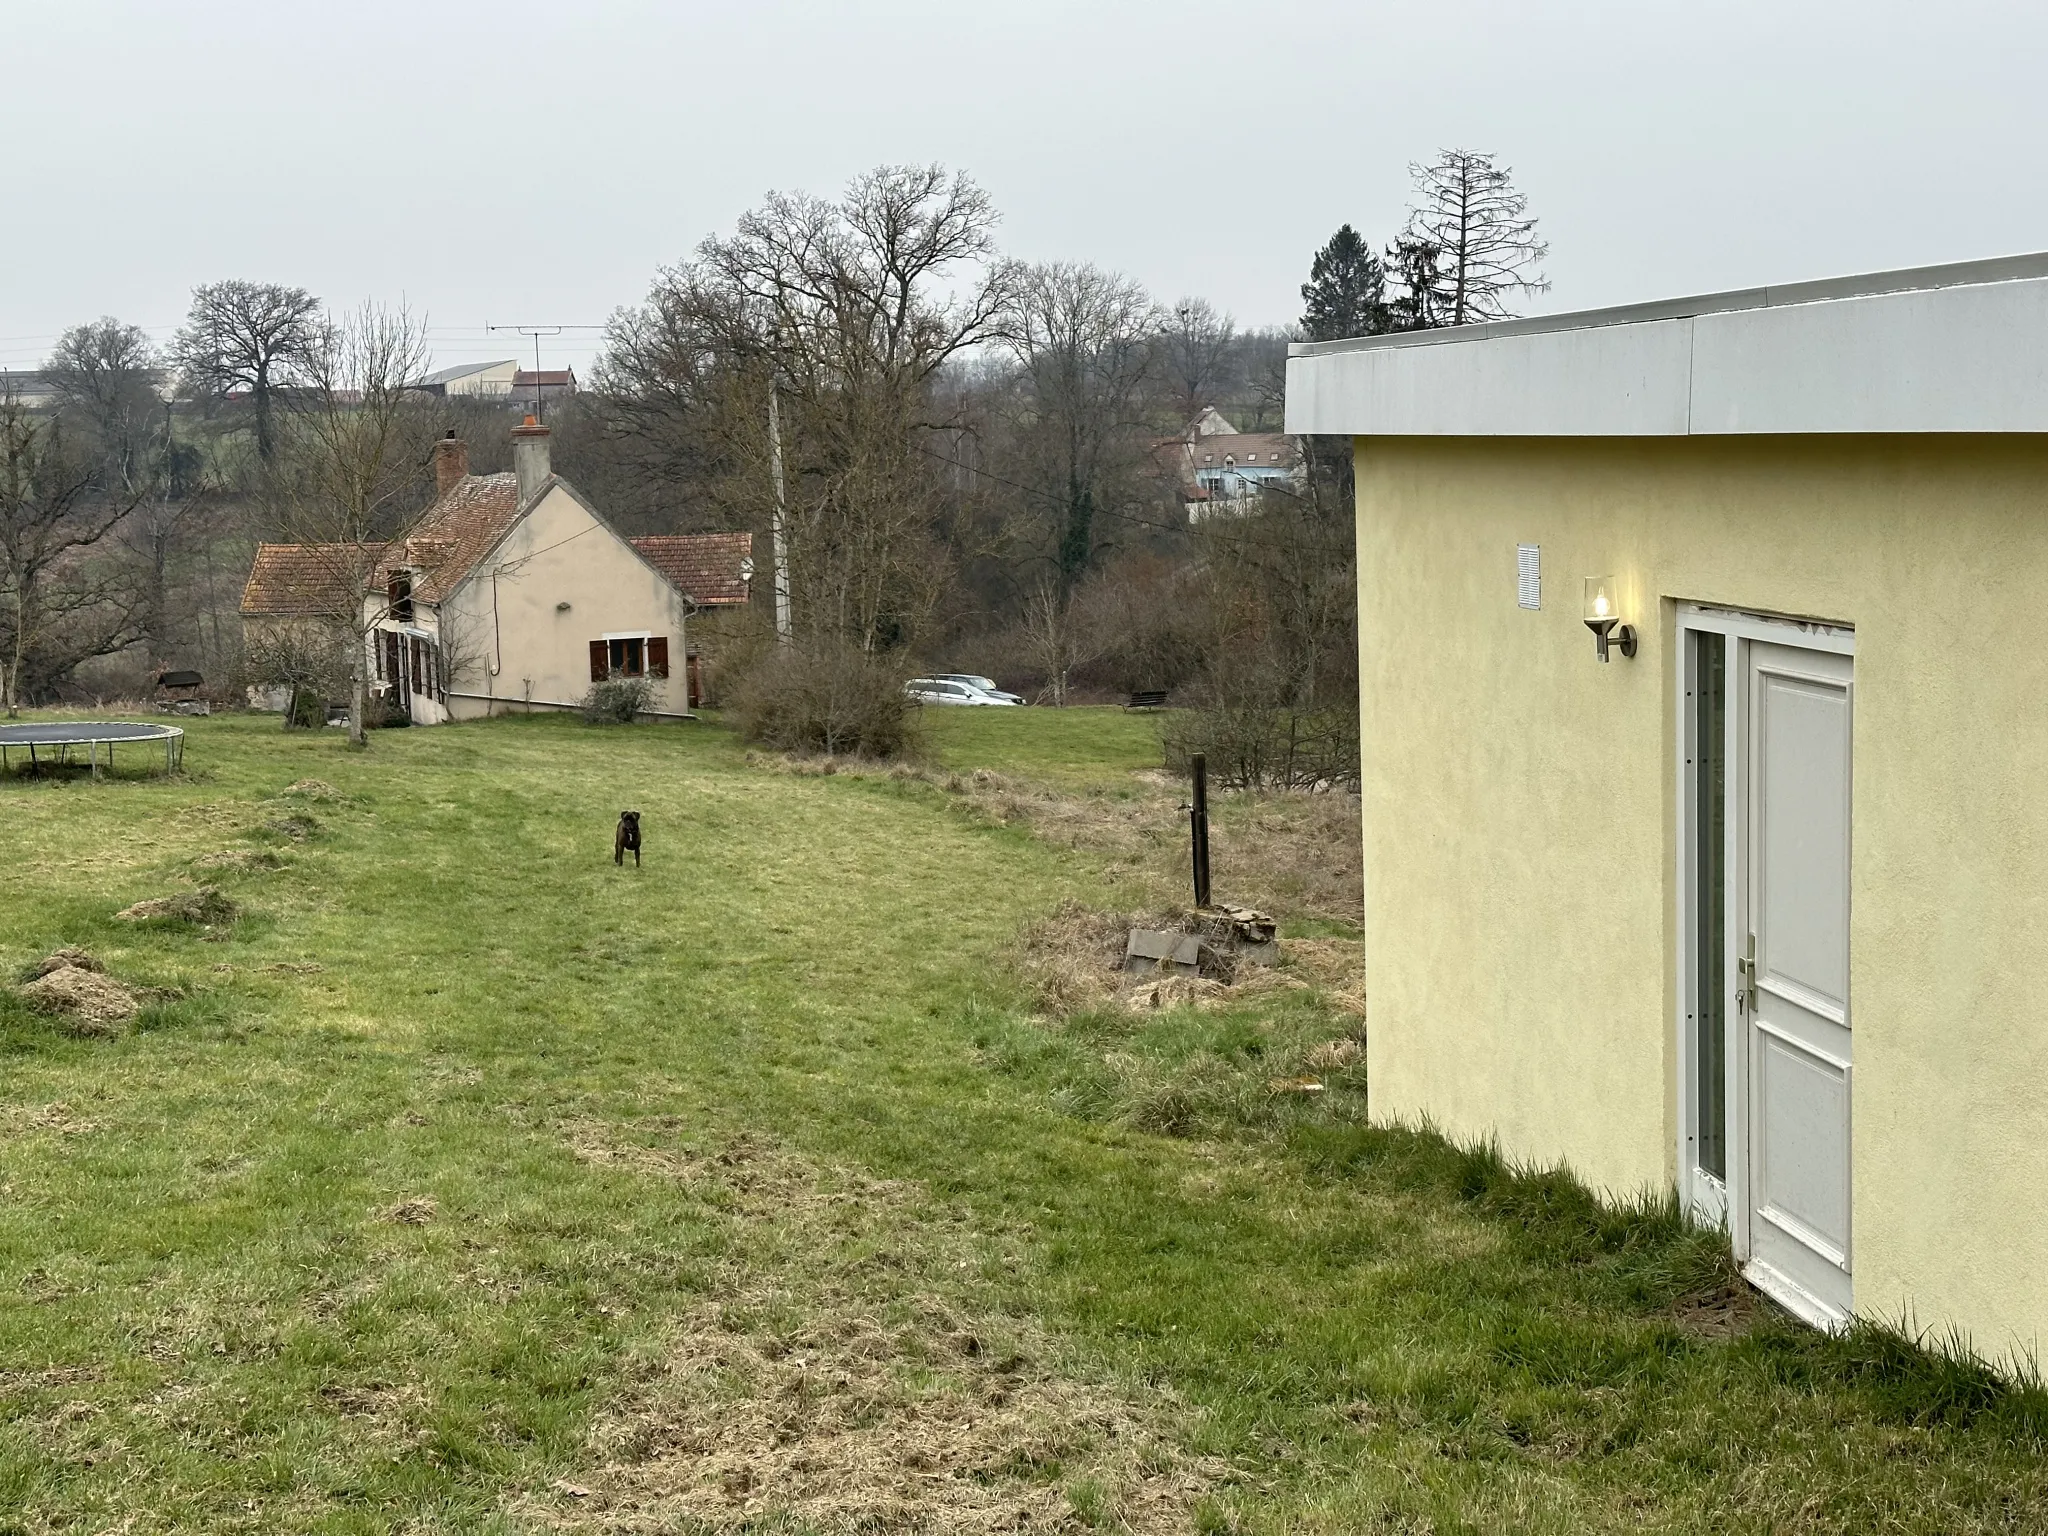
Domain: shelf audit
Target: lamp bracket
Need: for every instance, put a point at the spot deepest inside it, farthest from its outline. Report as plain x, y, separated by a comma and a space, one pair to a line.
1609, 635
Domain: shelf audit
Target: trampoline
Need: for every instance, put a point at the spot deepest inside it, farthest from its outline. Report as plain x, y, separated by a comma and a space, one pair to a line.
54, 742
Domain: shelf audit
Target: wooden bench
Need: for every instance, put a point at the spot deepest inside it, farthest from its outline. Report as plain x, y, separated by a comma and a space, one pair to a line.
1147, 698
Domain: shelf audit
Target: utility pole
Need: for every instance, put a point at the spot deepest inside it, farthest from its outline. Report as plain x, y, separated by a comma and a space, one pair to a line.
776, 534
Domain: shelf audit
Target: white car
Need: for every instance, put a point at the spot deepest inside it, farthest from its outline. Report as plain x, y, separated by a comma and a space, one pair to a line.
986, 684
946, 690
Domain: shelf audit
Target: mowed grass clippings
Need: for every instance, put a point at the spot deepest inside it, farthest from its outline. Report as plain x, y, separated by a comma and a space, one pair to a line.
404, 1208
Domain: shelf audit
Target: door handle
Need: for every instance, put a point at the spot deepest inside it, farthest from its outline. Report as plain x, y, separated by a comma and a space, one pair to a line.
1746, 971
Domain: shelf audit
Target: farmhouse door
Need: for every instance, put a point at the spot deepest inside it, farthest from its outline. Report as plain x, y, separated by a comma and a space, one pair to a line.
1792, 978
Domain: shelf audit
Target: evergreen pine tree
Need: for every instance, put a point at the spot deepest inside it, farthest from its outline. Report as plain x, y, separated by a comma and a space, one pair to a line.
1346, 291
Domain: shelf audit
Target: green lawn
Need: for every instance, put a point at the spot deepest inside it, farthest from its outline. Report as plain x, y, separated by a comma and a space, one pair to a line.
472, 1183
1074, 748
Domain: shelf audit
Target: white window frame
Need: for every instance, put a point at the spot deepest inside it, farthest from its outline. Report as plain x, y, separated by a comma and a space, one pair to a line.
1699, 1192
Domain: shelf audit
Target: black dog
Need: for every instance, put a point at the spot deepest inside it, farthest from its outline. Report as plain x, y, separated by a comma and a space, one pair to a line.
628, 836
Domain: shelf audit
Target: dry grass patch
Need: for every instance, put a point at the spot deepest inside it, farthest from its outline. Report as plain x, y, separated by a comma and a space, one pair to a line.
1072, 960
853, 1371
244, 861
48, 1119
1296, 853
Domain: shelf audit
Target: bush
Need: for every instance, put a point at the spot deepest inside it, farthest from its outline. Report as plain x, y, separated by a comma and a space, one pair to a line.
827, 696
1253, 744
618, 700
305, 710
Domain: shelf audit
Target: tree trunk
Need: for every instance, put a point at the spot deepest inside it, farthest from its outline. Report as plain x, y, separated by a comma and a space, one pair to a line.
358, 698
12, 681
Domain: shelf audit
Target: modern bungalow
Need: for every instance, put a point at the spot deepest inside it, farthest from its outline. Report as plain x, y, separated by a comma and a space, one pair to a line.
1742, 891
510, 593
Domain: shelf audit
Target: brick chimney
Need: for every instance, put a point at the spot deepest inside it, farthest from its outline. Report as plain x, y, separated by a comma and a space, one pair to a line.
451, 463
530, 458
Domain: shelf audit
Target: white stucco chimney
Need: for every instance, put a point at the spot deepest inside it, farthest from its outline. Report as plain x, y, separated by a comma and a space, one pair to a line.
530, 458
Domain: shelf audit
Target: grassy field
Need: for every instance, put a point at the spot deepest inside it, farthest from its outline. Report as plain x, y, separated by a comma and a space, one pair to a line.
1097, 746
468, 1182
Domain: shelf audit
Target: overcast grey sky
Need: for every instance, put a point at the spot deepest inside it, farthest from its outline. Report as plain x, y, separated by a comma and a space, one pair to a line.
513, 162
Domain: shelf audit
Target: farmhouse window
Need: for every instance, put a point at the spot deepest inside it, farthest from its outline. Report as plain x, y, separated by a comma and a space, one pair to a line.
387, 657
628, 656
398, 599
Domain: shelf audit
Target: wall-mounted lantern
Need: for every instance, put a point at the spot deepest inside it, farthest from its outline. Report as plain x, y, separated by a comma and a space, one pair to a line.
1603, 615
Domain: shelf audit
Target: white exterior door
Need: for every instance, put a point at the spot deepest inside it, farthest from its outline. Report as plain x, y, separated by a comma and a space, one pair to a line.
1791, 1193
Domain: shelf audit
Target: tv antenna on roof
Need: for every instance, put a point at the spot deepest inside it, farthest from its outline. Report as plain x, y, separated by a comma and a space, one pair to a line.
536, 332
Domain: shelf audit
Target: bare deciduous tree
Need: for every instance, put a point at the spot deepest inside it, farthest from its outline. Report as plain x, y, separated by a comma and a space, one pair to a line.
1470, 243
106, 377
1056, 638
1196, 351
57, 606
351, 471
307, 657
1080, 335
252, 336
846, 303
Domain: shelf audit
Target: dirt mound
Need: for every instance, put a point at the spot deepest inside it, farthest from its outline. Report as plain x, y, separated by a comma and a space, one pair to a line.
414, 1212
84, 1001
58, 959
208, 905
298, 827
312, 789
837, 1383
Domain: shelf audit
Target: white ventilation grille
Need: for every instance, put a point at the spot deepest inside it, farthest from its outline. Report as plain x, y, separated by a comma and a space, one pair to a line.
1529, 575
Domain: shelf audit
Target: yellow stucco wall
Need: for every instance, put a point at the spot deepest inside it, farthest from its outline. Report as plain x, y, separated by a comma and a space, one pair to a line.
557, 554
1520, 814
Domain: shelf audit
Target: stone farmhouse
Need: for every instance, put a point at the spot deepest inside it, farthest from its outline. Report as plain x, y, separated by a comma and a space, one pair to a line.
510, 593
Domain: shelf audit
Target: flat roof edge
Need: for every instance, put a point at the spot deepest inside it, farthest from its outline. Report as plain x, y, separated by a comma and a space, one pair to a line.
1955, 274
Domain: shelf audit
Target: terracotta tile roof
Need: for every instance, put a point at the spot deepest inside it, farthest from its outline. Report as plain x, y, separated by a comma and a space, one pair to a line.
306, 580
710, 569
446, 543
456, 532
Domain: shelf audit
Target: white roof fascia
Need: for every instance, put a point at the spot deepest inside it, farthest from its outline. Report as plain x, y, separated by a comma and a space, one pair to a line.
1949, 349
